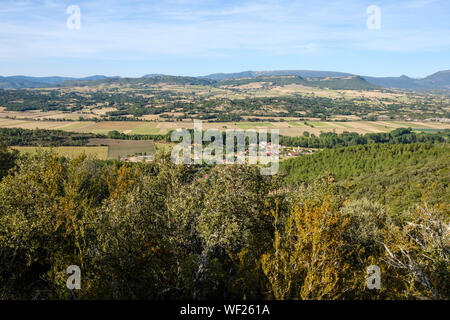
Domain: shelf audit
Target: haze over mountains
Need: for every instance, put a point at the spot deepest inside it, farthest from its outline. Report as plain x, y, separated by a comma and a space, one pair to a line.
299, 73
437, 81
20, 82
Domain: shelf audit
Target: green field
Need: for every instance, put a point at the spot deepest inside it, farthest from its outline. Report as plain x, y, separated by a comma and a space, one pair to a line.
253, 125
298, 124
163, 146
321, 124
147, 128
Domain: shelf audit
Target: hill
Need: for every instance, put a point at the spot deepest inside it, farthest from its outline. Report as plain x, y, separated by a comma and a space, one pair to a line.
393, 174
342, 83
20, 82
438, 80
254, 74
148, 80
336, 83
329, 79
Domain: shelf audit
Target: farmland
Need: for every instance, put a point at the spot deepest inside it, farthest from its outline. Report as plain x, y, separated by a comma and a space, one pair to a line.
122, 148
100, 149
288, 128
157, 105
134, 111
262, 99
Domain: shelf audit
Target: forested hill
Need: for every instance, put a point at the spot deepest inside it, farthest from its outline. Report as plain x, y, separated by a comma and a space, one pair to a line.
255, 74
333, 140
334, 83
149, 80
42, 137
393, 174
438, 80
20, 82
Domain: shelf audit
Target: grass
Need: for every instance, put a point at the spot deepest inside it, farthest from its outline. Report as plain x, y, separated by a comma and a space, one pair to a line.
147, 128
163, 146
74, 126
321, 124
124, 148
408, 124
298, 124
129, 149
100, 131
252, 125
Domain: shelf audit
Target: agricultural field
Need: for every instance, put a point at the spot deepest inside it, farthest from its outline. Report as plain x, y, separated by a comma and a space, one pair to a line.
123, 148
100, 149
157, 105
287, 128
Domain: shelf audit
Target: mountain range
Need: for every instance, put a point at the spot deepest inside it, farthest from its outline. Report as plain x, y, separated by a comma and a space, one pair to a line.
437, 81
20, 82
254, 74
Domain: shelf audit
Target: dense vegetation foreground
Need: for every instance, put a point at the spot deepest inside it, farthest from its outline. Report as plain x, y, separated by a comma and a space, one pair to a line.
166, 231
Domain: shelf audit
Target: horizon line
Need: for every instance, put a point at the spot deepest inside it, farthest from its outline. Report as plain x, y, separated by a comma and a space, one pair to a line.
214, 73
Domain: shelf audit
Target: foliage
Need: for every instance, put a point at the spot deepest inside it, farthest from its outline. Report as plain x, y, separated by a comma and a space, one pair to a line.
395, 175
43, 138
420, 249
7, 159
334, 140
308, 260
165, 231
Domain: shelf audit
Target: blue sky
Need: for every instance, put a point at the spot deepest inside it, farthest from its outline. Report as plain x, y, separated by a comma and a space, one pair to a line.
198, 37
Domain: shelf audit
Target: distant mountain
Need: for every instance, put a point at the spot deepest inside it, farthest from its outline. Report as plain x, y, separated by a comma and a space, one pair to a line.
336, 83
20, 82
403, 82
97, 78
343, 83
148, 80
152, 75
438, 80
331, 79
17, 82
254, 74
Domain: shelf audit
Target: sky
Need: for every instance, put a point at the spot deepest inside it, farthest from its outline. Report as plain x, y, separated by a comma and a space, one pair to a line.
198, 37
